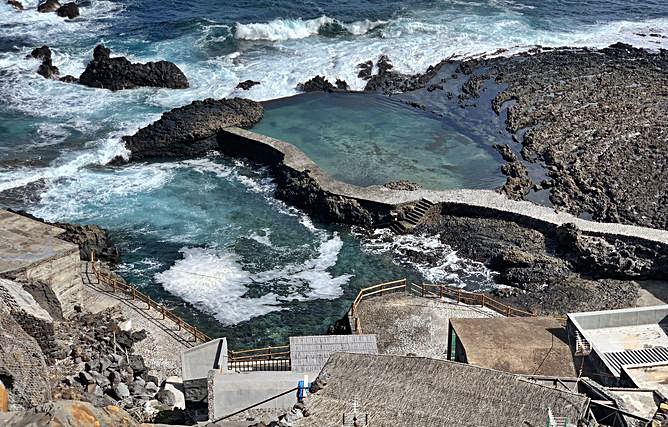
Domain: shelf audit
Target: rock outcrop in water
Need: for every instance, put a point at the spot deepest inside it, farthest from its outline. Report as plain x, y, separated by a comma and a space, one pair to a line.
48, 6
191, 130
68, 10
119, 73
321, 84
247, 84
46, 68
518, 184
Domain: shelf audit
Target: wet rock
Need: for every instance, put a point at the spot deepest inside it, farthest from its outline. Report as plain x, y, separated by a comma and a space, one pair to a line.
518, 184
16, 4
192, 130
321, 84
69, 79
388, 81
46, 68
48, 6
42, 53
68, 10
384, 65
247, 84
119, 73
366, 69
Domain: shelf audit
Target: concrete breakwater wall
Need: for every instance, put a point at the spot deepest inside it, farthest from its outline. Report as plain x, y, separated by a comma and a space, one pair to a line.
303, 184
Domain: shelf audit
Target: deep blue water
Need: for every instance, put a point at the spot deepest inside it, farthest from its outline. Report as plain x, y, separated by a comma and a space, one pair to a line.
206, 236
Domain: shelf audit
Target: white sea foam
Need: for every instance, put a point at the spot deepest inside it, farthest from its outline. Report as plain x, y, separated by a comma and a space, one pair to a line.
217, 282
289, 29
449, 268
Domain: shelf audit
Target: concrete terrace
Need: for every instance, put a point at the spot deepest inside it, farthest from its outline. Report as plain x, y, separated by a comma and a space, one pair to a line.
405, 323
488, 200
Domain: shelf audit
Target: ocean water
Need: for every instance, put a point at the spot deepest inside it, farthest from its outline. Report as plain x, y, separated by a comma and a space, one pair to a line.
206, 236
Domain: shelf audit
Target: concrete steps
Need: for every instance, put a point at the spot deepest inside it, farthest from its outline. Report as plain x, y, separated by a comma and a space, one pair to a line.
413, 218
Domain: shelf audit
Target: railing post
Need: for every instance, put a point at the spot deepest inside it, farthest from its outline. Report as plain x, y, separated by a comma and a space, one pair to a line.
440, 291
459, 296
162, 311
178, 322
134, 293
508, 311
422, 290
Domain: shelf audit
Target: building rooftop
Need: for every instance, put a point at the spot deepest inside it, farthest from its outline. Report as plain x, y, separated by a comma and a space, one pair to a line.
626, 336
520, 345
399, 390
310, 353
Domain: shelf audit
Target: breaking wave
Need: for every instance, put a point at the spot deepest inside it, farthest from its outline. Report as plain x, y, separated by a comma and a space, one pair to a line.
289, 29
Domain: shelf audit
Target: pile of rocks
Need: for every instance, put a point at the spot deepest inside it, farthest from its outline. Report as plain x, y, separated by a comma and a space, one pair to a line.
97, 364
68, 10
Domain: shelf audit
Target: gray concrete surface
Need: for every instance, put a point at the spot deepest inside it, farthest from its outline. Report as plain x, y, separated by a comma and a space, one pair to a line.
18, 300
196, 362
406, 324
231, 392
649, 377
29, 251
487, 200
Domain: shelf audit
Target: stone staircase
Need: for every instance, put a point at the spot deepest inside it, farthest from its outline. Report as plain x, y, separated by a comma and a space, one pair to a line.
413, 218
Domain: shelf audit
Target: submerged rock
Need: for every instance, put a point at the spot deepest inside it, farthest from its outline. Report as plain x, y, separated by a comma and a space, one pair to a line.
247, 84
48, 6
68, 10
119, 73
191, 130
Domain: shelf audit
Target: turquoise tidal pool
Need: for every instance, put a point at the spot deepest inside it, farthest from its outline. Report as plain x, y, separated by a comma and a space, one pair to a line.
365, 139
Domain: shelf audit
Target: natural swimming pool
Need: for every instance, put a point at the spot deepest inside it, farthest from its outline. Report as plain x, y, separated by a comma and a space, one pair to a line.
366, 139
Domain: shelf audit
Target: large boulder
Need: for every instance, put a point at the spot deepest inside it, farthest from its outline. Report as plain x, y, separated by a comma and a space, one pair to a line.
119, 73
192, 130
68, 10
69, 413
48, 6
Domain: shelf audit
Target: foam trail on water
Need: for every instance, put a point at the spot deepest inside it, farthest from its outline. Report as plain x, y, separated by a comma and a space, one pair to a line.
436, 261
288, 29
217, 282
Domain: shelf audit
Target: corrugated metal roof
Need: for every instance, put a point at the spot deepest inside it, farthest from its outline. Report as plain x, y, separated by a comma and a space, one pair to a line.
636, 357
310, 353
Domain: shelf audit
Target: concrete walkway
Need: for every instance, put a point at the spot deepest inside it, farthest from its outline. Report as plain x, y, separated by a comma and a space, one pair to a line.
484, 200
162, 348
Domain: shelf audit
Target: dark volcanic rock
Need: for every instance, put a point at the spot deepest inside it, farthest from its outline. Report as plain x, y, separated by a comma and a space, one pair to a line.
518, 184
48, 6
403, 185
68, 10
552, 270
42, 53
384, 65
119, 73
366, 69
69, 79
321, 84
192, 130
46, 68
16, 4
388, 81
88, 237
247, 84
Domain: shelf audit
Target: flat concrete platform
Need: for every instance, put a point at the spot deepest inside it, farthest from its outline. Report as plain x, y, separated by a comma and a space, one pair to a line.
406, 324
649, 377
25, 242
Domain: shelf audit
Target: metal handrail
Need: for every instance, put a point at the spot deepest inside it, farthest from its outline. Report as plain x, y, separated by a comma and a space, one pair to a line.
115, 284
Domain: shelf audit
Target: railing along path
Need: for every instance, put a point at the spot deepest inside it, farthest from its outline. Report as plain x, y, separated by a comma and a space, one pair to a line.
117, 285
260, 359
428, 290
